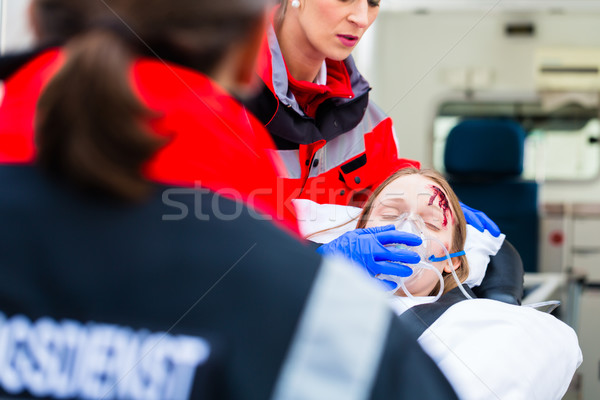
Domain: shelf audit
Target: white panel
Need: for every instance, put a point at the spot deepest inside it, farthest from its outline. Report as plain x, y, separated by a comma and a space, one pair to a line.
2, 24
15, 33
568, 69
589, 340
586, 233
552, 243
492, 5
589, 262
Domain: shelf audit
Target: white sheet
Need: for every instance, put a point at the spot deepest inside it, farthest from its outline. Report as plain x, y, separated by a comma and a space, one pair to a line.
493, 350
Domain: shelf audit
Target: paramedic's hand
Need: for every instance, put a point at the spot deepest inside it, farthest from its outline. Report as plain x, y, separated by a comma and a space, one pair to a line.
366, 247
480, 221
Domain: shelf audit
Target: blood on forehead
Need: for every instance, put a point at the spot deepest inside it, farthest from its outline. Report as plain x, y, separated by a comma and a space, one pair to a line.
442, 203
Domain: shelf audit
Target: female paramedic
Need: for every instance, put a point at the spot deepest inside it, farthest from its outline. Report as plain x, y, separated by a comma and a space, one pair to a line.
104, 293
487, 349
335, 143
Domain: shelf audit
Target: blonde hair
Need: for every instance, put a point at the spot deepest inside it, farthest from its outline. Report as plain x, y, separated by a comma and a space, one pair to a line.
283, 4
459, 233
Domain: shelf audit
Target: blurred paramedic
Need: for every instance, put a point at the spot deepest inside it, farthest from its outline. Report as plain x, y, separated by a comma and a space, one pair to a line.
203, 136
114, 285
335, 143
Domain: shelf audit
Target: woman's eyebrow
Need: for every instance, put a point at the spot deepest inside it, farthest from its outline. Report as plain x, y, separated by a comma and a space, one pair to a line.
388, 201
399, 199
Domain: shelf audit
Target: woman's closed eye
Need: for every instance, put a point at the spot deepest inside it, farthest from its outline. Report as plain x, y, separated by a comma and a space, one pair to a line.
433, 218
432, 226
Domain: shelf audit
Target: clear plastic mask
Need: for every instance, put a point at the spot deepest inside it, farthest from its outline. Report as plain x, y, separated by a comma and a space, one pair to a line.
431, 246
413, 223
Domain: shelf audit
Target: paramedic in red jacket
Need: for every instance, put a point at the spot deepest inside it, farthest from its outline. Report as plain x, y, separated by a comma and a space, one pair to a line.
336, 144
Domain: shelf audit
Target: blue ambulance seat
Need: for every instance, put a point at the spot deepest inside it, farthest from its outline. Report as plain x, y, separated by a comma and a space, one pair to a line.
484, 162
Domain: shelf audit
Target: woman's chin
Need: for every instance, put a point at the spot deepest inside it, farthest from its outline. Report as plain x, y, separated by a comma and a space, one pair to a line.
341, 54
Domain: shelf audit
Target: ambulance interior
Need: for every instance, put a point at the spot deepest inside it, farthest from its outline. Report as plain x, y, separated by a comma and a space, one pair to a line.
435, 65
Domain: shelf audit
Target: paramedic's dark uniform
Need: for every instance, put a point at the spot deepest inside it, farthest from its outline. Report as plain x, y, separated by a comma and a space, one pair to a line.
195, 294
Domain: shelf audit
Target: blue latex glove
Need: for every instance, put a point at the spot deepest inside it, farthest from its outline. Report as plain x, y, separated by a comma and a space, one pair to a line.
366, 248
480, 221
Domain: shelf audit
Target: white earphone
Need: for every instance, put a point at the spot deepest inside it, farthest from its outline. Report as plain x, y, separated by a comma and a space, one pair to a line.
296, 3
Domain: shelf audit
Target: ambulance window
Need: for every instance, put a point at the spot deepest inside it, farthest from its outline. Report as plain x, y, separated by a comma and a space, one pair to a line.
560, 145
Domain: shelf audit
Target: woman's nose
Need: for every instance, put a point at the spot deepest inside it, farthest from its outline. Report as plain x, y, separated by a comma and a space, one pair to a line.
359, 13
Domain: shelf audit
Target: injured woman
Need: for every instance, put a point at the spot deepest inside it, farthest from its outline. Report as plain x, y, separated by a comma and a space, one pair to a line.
487, 349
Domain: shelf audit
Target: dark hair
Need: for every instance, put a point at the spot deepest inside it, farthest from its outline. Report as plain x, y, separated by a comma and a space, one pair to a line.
90, 127
459, 233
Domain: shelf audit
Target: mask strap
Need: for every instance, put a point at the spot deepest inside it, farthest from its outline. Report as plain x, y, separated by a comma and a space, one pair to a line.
436, 259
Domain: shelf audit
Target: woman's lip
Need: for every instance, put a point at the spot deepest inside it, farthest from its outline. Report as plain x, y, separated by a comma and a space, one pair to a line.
348, 40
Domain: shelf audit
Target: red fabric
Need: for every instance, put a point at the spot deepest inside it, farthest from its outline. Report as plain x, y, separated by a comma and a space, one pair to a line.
17, 108
264, 64
310, 95
213, 143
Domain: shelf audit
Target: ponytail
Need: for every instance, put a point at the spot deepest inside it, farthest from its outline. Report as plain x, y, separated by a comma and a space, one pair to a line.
90, 125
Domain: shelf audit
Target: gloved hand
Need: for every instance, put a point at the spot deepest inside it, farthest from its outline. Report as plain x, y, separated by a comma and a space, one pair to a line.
480, 221
366, 248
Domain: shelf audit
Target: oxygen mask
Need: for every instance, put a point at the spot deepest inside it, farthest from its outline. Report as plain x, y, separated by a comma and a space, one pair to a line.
412, 223
425, 273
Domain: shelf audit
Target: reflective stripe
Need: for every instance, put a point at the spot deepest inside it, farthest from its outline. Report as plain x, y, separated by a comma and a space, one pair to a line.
280, 79
337, 348
291, 160
348, 145
337, 151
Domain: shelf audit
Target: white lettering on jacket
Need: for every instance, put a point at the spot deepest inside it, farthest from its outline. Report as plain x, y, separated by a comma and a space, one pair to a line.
68, 359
